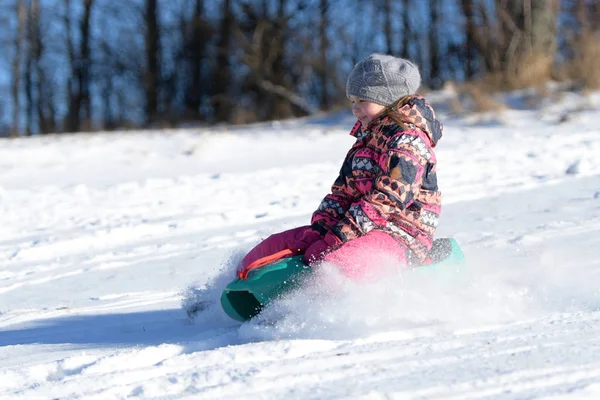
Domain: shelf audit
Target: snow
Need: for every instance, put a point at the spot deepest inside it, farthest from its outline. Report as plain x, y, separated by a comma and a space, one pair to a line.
104, 236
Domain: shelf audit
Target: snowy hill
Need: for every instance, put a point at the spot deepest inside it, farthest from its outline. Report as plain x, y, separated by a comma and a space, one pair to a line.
102, 234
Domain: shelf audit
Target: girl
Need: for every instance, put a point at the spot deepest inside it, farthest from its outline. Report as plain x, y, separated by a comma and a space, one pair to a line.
386, 198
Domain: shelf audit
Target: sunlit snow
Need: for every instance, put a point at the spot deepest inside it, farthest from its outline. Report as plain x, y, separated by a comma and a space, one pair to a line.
102, 237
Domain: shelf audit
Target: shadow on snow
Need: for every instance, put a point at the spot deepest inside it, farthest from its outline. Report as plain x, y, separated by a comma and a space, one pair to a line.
148, 328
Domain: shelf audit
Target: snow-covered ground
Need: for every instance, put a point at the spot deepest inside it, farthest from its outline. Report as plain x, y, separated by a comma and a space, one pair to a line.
101, 236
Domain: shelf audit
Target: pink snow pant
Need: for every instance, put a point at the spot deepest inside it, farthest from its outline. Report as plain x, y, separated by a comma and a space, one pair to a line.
368, 256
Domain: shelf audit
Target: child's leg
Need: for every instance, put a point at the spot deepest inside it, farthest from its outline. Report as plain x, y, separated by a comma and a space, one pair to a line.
295, 240
369, 256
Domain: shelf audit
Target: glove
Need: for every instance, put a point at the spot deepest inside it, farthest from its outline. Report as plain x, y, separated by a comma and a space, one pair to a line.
322, 247
296, 240
307, 237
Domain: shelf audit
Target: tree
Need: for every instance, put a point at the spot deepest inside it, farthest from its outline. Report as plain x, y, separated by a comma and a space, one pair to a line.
264, 39
83, 73
152, 73
221, 100
280, 40
195, 49
21, 17
468, 9
80, 61
107, 66
387, 26
526, 27
434, 45
42, 94
323, 65
406, 29
541, 25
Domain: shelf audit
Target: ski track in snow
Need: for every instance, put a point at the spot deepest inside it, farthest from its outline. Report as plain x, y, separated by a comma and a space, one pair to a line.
102, 234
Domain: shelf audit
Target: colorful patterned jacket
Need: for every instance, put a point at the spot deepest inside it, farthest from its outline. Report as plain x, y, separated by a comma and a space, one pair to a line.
388, 182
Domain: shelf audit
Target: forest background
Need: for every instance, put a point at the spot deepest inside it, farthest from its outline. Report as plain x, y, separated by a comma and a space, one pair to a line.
89, 65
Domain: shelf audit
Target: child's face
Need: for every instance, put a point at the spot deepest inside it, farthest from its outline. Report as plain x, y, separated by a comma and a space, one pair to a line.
365, 110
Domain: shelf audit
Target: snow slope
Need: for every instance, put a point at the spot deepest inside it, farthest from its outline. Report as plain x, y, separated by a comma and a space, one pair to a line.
102, 236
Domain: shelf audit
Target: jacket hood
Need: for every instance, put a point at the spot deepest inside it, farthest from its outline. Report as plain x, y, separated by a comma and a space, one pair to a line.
415, 112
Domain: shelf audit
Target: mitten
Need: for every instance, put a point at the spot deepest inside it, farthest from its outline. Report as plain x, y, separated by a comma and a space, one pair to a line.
320, 248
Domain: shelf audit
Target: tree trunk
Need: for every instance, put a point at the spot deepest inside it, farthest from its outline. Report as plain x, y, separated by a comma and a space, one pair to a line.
85, 65
530, 26
29, 78
323, 48
434, 46
387, 26
595, 15
195, 53
544, 28
42, 99
152, 75
28, 96
406, 29
221, 96
72, 117
16, 66
283, 107
79, 80
105, 74
470, 38
517, 29
580, 13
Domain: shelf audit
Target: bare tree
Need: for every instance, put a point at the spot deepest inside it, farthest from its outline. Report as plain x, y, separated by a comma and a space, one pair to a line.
152, 73
595, 15
542, 27
512, 32
72, 117
387, 26
78, 84
107, 67
323, 65
195, 48
21, 15
407, 35
222, 103
44, 109
85, 65
282, 107
29, 70
434, 45
264, 38
586, 13
468, 9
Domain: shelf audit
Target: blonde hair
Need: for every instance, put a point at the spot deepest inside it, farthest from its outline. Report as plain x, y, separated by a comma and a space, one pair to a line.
392, 111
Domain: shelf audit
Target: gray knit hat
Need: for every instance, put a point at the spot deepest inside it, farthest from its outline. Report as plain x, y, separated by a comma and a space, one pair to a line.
383, 79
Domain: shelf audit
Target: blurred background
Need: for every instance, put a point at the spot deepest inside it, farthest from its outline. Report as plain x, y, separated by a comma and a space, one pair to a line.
88, 65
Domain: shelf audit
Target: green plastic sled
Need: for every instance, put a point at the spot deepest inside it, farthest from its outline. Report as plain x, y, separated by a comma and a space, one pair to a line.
243, 299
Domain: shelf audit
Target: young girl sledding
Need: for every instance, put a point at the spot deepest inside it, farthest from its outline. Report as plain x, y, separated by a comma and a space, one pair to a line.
385, 199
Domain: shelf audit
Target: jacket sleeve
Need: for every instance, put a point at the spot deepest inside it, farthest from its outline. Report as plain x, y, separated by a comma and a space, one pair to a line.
334, 206
394, 188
